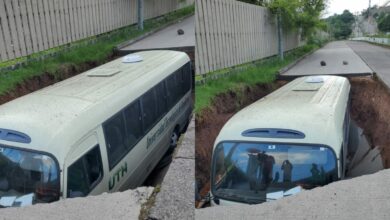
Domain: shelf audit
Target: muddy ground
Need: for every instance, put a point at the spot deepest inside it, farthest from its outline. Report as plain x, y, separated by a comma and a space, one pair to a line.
370, 108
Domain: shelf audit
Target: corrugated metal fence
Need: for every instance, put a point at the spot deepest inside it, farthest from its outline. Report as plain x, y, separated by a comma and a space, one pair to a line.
229, 33
29, 26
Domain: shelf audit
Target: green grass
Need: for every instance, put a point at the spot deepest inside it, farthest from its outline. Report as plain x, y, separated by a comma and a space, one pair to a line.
261, 72
82, 53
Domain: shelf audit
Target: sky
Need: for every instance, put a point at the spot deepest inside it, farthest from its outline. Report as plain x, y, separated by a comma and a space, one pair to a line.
338, 6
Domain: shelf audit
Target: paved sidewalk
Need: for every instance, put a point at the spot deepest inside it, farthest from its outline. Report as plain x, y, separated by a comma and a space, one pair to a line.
334, 54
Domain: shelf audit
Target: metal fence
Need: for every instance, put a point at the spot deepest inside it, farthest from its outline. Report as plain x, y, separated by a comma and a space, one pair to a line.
230, 33
377, 40
29, 26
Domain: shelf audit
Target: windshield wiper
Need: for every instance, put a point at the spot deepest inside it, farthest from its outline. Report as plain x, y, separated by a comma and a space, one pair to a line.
242, 198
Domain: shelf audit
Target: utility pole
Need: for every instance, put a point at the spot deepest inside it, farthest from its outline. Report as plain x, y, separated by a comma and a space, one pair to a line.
369, 8
368, 17
280, 35
140, 12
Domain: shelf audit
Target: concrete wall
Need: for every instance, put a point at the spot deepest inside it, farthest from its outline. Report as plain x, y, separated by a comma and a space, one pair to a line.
229, 33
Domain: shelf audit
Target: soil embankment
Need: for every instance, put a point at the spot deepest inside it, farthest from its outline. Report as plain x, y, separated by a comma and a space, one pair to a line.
370, 108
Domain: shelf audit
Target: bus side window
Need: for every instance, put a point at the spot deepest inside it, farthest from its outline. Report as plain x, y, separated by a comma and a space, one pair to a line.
115, 133
187, 75
185, 79
342, 161
179, 84
171, 88
133, 124
149, 109
85, 173
161, 99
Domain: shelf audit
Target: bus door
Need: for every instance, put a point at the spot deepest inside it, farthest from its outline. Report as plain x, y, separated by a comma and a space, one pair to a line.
83, 169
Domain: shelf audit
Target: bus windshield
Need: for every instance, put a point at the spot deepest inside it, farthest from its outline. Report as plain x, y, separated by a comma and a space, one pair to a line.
27, 178
249, 172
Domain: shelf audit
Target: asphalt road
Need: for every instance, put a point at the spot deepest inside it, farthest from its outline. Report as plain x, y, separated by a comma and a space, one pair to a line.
377, 58
168, 37
340, 59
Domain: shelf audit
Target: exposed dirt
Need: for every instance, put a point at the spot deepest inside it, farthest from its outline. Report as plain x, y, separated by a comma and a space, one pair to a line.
45, 79
370, 108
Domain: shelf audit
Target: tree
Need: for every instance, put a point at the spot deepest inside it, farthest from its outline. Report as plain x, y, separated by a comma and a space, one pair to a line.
384, 22
369, 11
347, 17
309, 19
341, 25
304, 14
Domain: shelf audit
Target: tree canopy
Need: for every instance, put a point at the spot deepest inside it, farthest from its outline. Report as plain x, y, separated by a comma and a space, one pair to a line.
310, 17
341, 25
384, 22
303, 14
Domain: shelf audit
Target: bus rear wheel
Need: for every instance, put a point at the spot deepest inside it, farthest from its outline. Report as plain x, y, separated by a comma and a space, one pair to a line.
167, 158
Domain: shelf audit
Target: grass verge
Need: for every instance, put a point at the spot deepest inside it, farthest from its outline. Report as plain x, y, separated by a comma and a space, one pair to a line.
263, 71
98, 52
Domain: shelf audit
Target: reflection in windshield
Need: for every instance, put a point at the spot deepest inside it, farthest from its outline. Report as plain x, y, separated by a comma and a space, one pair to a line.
251, 170
287, 170
25, 173
259, 170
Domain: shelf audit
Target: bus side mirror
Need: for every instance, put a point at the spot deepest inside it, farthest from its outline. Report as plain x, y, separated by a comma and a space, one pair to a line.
201, 202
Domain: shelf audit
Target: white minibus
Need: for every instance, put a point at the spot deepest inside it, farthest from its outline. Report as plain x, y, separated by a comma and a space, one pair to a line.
100, 131
293, 139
